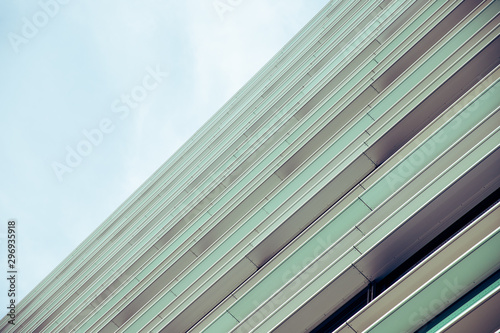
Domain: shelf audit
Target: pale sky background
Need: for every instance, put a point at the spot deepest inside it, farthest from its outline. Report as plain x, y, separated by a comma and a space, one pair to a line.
69, 73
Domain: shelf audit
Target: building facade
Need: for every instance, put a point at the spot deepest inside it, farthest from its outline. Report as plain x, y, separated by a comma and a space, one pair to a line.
352, 185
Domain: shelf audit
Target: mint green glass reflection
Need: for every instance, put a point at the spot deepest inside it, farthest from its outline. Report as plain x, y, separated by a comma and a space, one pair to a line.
428, 150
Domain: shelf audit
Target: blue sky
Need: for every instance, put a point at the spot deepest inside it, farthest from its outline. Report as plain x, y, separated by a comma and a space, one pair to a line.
135, 79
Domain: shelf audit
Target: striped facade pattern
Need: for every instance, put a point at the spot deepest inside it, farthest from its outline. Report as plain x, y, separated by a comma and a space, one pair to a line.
350, 186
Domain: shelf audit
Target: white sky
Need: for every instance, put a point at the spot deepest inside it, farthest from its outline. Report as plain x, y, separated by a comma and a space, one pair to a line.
70, 73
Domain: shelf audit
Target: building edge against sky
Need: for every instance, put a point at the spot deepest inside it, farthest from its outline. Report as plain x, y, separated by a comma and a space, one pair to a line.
351, 186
